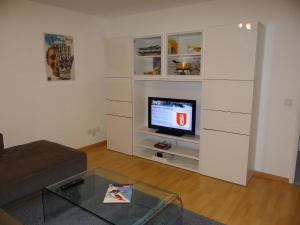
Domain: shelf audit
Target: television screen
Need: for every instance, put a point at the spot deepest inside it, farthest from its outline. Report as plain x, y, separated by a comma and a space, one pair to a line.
172, 116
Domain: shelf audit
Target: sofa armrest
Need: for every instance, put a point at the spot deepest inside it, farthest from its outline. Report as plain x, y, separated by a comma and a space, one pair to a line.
1, 142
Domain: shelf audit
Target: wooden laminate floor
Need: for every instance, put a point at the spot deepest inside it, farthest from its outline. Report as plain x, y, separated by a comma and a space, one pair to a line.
262, 202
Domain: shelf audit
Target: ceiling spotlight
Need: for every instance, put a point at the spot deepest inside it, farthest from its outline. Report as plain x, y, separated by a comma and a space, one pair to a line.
240, 25
248, 26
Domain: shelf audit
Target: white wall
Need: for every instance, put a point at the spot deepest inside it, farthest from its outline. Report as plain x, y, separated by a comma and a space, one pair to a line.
32, 108
278, 124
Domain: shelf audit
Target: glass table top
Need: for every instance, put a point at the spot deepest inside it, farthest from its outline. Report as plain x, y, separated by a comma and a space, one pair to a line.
146, 203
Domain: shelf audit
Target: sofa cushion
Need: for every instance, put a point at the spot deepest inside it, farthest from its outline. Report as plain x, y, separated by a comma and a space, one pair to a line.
26, 169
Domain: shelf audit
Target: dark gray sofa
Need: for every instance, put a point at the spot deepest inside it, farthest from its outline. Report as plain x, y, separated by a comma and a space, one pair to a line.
26, 169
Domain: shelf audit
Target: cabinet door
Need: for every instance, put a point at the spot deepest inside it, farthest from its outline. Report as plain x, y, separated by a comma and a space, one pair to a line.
119, 134
118, 57
226, 121
230, 52
226, 95
118, 108
224, 156
118, 89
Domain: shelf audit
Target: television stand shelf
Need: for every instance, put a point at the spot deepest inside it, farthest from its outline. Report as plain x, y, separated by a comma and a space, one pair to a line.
180, 162
187, 138
174, 150
184, 151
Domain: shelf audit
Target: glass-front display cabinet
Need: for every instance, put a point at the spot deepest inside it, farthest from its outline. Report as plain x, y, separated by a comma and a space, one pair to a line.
147, 56
184, 53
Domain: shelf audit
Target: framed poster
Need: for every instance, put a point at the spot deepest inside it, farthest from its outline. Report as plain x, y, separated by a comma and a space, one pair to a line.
59, 54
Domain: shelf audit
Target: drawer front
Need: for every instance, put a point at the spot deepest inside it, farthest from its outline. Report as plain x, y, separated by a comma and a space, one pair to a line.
226, 95
224, 156
118, 89
226, 121
117, 108
119, 134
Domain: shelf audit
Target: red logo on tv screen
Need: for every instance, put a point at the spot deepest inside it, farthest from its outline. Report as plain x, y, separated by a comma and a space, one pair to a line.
181, 119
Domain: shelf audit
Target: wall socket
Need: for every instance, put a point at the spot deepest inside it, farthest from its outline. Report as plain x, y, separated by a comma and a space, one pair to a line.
94, 131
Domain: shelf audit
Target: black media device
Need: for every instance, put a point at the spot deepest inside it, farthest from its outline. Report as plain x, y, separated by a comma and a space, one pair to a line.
172, 116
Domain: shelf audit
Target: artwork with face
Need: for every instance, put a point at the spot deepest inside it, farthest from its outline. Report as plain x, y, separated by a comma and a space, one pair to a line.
59, 54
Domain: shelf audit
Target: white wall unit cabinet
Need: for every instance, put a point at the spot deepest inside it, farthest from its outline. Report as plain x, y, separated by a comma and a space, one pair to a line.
230, 52
118, 72
224, 91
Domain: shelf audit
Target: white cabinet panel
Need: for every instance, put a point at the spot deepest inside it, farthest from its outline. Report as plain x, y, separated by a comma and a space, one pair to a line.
225, 95
224, 156
119, 134
226, 121
230, 52
119, 108
118, 89
118, 56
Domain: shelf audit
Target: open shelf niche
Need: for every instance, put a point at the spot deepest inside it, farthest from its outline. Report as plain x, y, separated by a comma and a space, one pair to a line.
184, 54
147, 55
184, 152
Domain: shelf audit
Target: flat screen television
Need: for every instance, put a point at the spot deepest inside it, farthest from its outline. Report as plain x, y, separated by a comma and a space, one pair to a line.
172, 116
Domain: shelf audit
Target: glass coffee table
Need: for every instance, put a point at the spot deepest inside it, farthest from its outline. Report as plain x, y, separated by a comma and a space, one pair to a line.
86, 191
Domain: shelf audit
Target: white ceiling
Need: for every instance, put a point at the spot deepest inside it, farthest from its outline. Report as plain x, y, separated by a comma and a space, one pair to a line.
114, 8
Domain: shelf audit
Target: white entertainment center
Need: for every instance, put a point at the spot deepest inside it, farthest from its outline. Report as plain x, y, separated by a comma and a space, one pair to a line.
218, 66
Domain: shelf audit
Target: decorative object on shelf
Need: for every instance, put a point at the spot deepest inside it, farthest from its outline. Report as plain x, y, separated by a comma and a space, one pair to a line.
59, 54
191, 49
151, 50
156, 67
195, 65
162, 145
164, 155
182, 68
172, 47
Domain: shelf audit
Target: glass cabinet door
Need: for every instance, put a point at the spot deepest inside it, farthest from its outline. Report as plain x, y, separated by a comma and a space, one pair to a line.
184, 54
147, 56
